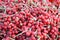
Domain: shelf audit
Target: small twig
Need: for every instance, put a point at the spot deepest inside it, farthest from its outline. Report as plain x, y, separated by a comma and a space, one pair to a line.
7, 15
5, 9
21, 33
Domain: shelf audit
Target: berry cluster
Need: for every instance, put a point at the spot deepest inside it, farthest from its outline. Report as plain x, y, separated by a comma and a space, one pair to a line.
29, 20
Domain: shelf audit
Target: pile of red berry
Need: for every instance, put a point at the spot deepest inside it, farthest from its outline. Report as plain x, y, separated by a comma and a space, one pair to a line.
29, 20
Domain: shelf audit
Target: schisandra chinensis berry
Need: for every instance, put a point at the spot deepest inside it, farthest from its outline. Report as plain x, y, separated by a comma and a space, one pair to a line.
29, 19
